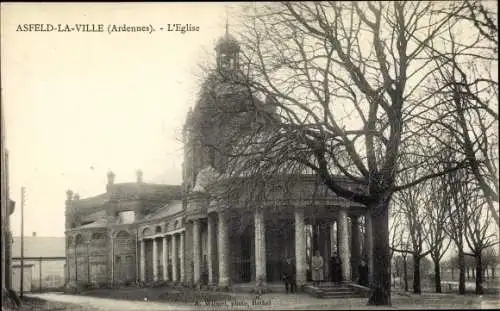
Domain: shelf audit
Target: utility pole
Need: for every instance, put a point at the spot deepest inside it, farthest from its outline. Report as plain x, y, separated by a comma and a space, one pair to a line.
88, 262
23, 201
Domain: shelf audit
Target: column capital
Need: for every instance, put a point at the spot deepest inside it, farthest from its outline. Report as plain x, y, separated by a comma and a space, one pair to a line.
299, 209
345, 205
259, 209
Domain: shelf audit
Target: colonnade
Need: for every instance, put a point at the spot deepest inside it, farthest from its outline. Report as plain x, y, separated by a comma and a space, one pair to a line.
223, 253
346, 250
170, 250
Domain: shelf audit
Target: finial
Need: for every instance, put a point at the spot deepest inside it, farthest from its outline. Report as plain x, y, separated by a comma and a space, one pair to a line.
111, 178
139, 176
69, 194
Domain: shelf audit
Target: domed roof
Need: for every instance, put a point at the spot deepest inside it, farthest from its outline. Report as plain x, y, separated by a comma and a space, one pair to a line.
227, 42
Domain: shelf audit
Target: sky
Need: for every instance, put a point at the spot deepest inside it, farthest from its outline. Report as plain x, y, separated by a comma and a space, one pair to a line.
80, 104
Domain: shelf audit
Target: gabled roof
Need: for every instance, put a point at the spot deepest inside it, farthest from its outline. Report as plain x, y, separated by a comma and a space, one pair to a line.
35, 246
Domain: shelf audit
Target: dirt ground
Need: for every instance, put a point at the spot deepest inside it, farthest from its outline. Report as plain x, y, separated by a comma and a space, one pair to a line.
130, 301
38, 304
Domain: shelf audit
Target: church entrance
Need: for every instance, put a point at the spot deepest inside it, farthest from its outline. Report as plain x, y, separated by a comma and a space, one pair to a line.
246, 256
280, 244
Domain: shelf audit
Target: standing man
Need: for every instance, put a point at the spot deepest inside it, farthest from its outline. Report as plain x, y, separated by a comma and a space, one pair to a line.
363, 273
289, 276
317, 268
337, 269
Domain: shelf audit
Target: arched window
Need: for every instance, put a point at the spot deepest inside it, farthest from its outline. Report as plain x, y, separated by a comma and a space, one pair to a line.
158, 229
123, 235
146, 232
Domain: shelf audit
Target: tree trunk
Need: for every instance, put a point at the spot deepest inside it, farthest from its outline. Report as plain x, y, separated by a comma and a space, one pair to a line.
479, 275
416, 275
468, 274
405, 273
437, 276
461, 266
381, 285
493, 271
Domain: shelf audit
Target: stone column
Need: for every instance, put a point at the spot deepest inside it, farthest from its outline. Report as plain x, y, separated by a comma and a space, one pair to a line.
355, 246
300, 247
155, 260
333, 237
260, 248
165, 258
344, 251
181, 254
196, 251
143, 261
369, 245
222, 247
112, 253
210, 232
174, 258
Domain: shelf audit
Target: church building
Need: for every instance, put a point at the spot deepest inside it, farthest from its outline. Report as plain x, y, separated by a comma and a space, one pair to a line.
200, 233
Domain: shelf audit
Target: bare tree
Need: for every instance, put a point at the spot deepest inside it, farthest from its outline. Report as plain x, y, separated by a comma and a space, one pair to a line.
465, 90
437, 209
411, 203
343, 81
460, 192
490, 260
479, 236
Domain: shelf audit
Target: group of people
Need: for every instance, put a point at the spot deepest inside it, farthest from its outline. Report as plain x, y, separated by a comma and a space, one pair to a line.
317, 271
317, 265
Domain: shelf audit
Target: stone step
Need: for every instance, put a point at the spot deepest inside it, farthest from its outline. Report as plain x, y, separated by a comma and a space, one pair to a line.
338, 290
330, 291
343, 296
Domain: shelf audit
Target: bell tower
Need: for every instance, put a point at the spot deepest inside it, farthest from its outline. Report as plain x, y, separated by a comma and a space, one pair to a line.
228, 50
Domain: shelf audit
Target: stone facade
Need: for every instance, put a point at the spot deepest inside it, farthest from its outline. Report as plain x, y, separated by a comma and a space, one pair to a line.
104, 233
